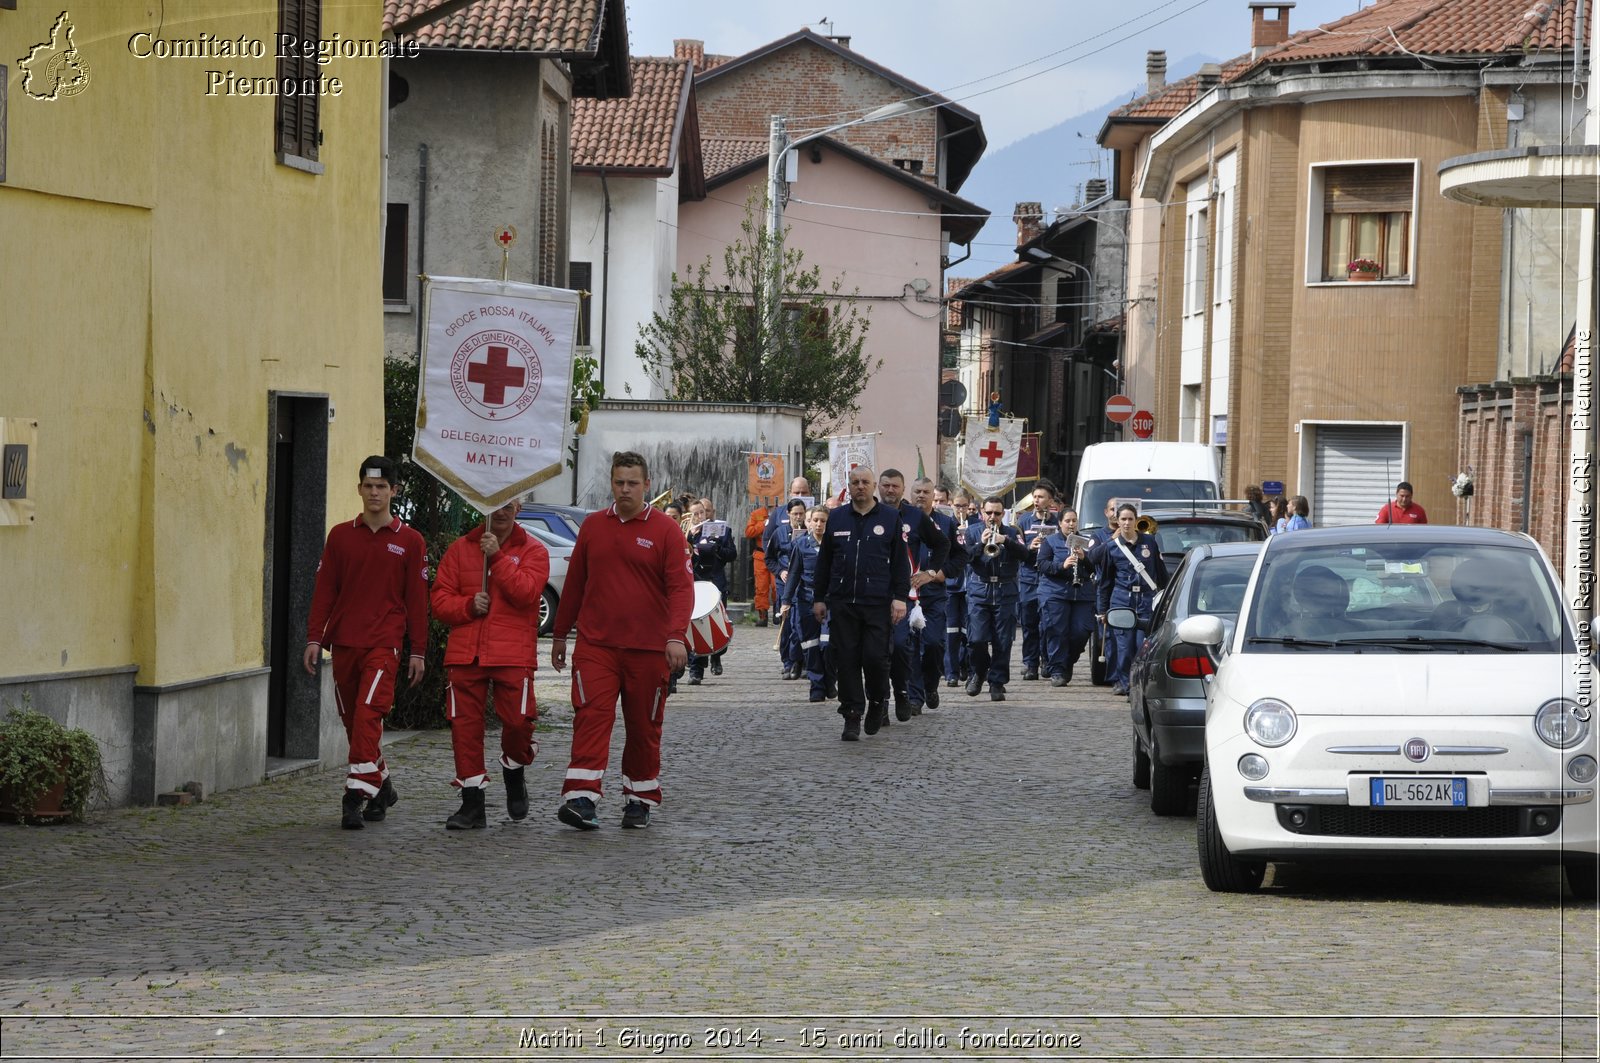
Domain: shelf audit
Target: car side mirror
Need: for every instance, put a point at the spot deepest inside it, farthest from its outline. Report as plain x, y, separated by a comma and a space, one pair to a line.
1125, 619
1201, 630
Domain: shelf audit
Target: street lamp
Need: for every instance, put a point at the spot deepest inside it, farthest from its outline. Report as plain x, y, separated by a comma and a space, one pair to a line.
778, 147
1041, 255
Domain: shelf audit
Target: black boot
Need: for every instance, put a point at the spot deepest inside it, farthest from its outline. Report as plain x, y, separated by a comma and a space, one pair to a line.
761, 618
470, 815
351, 810
516, 793
378, 805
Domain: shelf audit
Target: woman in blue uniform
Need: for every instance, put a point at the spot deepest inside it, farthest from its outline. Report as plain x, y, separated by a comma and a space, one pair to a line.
1066, 599
1131, 571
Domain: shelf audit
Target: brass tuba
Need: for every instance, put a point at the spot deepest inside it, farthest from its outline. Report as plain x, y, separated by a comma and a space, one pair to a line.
1145, 525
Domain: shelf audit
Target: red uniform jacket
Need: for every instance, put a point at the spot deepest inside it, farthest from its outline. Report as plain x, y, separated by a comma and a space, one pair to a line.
629, 583
509, 633
372, 588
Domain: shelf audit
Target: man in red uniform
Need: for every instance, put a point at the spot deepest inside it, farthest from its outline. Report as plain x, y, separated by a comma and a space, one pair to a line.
630, 590
1402, 510
494, 638
371, 593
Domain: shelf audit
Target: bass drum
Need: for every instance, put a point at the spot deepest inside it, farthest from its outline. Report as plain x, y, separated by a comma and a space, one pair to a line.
710, 630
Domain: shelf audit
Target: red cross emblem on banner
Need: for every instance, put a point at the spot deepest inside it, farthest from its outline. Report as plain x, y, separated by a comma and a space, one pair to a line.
991, 453
496, 375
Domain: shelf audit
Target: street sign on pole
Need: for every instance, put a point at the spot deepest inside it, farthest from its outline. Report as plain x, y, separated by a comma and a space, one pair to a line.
1119, 408
1144, 424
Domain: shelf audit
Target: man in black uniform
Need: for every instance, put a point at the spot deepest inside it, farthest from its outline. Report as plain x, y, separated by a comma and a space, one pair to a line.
917, 531
862, 579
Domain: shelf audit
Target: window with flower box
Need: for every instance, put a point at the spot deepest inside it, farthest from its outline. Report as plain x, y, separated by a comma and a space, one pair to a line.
1362, 212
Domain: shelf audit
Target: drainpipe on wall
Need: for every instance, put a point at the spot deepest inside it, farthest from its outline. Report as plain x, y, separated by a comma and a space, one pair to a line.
605, 277
422, 235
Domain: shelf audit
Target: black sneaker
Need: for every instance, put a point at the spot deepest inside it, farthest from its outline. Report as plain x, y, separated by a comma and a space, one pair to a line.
877, 715
636, 814
932, 694
694, 680
852, 728
902, 708
952, 682
579, 812
378, 806
1058, 680
716, 666
997, 693
974, 685
1120, 690
916, 708
817, 695
350, 810
1030, 673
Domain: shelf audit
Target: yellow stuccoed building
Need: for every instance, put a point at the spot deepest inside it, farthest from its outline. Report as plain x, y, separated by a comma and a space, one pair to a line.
191, 315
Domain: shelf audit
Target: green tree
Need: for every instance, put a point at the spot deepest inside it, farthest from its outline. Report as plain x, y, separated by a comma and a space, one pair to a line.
714, 343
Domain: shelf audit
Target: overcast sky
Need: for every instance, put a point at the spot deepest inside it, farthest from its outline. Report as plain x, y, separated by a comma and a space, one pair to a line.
944, 44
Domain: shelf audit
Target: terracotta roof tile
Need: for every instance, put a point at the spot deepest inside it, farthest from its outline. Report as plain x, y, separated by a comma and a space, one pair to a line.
723, 153
1172, 99
635, 132
536, 26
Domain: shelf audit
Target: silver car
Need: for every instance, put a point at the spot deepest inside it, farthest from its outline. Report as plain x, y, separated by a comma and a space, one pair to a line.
1167, 680
560, 551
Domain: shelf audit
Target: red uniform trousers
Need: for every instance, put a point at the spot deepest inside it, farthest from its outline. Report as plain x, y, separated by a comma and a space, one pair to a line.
600, 674
763, 581
363, 688
513, 703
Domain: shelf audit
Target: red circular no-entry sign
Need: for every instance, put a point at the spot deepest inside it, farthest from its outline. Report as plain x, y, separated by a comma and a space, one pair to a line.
1144, 424
1119, 408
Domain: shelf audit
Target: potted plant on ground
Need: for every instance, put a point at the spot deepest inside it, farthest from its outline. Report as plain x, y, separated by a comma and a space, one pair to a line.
1364, 269
47, 771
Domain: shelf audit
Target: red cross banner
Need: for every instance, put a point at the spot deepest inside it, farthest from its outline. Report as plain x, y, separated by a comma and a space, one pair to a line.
496, 386
989, 460
845, 453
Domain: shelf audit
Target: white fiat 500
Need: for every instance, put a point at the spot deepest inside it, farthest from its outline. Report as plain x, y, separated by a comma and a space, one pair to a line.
1413, 689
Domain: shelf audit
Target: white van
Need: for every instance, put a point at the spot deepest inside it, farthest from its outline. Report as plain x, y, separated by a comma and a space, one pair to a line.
1139, 471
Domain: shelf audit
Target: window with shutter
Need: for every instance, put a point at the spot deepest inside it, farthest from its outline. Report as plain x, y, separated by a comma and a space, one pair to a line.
298, 132
580, 278
396, 254
1366, 216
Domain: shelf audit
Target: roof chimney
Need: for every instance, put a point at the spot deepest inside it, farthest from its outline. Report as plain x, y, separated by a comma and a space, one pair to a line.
1030, 221
1209, 77
694, 51
1267, 33
1093, 189
1155, 71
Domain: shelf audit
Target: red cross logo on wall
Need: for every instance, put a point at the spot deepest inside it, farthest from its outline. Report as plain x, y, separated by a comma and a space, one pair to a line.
991, 453
496, 375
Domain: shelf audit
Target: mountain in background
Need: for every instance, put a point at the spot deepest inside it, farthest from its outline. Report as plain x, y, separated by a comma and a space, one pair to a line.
1048, 167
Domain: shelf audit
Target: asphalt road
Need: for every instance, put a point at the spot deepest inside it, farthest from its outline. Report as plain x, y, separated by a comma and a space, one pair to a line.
980, 881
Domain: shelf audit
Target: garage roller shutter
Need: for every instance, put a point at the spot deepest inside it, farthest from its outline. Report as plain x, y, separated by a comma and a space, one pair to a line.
1357, 468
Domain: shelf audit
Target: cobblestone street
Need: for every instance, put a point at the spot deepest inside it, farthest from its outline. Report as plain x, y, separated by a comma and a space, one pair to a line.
984, 866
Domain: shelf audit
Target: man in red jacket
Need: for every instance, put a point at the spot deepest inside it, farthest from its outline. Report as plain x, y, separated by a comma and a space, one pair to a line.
371, 593
494, 638
630, 591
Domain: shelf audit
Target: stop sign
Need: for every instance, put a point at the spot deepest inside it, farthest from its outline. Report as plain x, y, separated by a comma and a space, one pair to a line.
1119, 408
1144, 424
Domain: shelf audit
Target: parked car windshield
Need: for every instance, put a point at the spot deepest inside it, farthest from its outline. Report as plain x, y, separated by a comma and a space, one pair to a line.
1175, 537
1399, 597
1097, 492
1218, 586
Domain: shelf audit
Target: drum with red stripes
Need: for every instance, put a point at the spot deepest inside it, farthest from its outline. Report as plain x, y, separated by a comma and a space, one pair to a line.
710, 630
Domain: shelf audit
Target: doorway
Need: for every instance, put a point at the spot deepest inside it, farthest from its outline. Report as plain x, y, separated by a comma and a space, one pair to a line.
297, 494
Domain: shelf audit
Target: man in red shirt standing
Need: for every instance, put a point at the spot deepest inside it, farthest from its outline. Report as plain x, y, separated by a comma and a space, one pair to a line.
1402, 510
371, 593
494, 638
630, 591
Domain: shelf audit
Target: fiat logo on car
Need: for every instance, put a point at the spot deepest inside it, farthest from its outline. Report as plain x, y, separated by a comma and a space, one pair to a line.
1417, 750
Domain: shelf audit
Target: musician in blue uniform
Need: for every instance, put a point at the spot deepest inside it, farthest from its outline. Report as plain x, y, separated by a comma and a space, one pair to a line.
863, 578
1131, 571
801, 596
1102, 541
992, 600
1067, 598
712, 547
957, 665
927, 659
1033, 526
777, 545
905, 671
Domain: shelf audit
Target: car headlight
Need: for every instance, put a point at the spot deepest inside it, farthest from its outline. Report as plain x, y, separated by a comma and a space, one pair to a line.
1269, 722
1560, 723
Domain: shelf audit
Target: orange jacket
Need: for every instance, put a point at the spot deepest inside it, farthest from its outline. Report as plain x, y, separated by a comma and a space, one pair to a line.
509, 633
754, 527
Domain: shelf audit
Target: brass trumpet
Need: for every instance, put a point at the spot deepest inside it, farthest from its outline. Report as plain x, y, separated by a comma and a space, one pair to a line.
1145, 525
